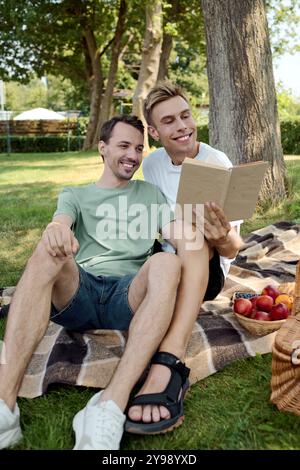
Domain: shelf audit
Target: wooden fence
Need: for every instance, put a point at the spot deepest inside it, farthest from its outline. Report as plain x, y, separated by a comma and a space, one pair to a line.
42, 127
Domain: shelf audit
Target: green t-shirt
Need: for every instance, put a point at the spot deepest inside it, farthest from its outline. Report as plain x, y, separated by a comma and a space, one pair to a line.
115, 228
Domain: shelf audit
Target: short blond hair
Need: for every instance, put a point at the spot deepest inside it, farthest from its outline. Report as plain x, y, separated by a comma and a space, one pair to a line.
161, 92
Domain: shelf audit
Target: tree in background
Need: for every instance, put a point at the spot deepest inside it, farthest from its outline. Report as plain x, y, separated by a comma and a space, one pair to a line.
94, 49
183, 56
98, 36
243, 120
76, 40
150, 57
106, 102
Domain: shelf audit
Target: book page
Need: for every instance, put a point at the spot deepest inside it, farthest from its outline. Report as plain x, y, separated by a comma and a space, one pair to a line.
243, 191
200, 183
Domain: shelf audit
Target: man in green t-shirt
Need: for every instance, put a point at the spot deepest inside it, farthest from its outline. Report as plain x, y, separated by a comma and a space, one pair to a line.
92, 269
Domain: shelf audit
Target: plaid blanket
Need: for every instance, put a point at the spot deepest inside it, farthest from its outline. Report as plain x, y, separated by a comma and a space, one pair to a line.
269, 255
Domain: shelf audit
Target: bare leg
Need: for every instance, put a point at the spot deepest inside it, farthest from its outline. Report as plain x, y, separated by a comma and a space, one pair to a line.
190, 296
29, 314
152, 294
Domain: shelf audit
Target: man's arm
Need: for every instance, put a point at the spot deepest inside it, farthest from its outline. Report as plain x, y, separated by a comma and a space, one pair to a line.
230, 245
58, 237
220, 234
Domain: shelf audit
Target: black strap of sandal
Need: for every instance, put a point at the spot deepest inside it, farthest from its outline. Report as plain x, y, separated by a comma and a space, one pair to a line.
178, 380
172, 361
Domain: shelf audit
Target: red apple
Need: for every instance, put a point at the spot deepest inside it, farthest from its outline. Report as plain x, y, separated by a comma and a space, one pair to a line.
270, 290
279, 312
242, 306
253, 313
261, 315
264, 302
253, 301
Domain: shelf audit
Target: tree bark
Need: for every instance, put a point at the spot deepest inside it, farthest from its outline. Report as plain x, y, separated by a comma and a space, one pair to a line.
96, 86
150, 58
166, 50
106, 103
243, 118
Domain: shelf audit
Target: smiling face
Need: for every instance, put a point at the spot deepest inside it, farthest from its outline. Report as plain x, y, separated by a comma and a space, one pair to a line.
123, 152
174, 126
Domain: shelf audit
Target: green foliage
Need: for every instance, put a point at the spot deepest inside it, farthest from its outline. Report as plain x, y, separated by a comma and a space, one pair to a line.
290, 136
58, 41
40, 144
60, 51
20, 97
57, 93
183, 20
203, 133
288, 105
186, 57
82, 125
283, 19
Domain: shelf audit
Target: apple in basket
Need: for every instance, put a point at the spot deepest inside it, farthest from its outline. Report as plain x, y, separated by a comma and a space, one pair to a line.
261, 315
243, 307
279, 312
264, 303
253, 301
271, 290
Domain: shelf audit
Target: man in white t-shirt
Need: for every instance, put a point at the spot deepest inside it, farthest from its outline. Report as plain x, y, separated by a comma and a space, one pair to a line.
170, 121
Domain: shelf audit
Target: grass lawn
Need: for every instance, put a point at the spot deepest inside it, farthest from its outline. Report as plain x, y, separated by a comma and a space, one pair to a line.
228, 410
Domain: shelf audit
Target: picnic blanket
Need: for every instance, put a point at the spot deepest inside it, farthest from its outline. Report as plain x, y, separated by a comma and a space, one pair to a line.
269, 255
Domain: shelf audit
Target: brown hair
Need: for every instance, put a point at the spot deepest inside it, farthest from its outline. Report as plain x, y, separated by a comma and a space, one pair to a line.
161, 92
108, 126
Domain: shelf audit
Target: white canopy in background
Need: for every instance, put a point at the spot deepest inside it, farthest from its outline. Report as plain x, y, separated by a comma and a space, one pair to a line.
38, 114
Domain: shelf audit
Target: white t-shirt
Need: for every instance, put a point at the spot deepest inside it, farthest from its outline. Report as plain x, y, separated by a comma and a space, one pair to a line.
159, 170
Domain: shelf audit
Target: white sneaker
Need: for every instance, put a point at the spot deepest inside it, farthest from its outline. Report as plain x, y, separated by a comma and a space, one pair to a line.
10, 431
99, 426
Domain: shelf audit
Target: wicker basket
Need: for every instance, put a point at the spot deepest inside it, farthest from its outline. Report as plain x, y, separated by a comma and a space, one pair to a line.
259, 327
285, 382
256, 327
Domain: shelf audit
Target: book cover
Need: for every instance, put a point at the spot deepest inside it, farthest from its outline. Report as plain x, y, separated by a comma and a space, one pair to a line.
234, 189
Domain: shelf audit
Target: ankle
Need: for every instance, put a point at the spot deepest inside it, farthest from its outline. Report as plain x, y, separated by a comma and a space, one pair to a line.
119, 400
7, 393
178, 351
9, 401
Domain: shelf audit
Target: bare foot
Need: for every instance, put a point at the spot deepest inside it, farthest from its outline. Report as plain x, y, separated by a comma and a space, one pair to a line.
157, 380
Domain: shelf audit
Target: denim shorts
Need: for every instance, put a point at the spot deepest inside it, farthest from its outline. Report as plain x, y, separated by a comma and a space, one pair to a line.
101, 302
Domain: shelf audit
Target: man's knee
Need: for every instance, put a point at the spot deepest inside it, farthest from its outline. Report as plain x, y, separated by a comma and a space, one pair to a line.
42, 265
165, 265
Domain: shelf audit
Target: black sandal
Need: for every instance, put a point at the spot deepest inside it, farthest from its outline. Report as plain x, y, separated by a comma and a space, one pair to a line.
168, 398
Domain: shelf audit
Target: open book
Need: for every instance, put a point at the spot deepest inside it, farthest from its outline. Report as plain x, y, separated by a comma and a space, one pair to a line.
234, 189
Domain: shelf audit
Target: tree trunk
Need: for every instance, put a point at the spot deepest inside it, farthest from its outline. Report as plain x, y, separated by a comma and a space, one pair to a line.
106, 103
166, 50
150, 58
96, 86
243, 118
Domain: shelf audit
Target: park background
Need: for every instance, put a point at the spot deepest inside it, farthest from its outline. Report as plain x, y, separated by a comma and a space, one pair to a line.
91, 59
